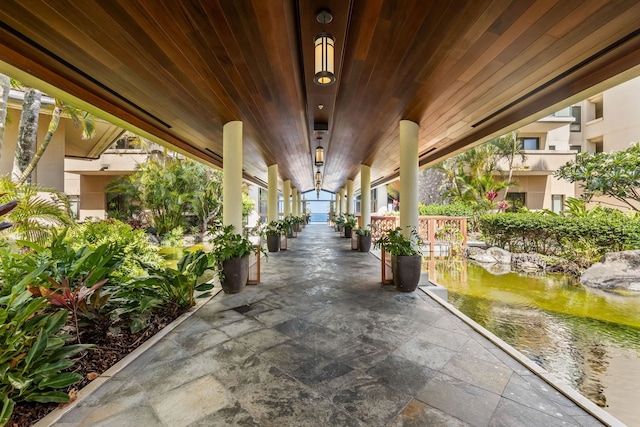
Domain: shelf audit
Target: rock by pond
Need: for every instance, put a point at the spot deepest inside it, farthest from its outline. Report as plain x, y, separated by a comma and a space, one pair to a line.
617, 271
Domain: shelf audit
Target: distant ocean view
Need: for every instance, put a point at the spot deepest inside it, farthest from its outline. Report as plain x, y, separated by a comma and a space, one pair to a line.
318, 217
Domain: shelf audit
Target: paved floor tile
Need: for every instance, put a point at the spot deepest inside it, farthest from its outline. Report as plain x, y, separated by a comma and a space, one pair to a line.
460, 399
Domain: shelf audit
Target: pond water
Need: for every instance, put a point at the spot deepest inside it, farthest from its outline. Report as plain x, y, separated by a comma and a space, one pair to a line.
589, 339
172, 255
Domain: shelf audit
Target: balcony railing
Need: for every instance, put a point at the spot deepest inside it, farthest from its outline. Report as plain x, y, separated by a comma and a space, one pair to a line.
430, 228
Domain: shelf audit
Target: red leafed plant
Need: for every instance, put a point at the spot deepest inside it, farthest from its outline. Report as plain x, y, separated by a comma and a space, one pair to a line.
63, 296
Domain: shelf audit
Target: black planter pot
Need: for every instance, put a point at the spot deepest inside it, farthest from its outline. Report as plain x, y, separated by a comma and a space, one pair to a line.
273, 242
236, 273
347, 232
406, 272
364, 243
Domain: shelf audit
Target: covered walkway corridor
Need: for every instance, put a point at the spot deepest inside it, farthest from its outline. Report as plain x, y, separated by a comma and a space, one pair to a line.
321, 343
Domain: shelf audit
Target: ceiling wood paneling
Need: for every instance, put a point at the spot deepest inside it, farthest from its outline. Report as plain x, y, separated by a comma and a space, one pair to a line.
465, 70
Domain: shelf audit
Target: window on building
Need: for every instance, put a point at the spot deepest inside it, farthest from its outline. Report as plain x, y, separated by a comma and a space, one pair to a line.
529, 143
557, 203
577, 148
516, 201
599, 147
357, 204
552, 148
576, 126
599, 108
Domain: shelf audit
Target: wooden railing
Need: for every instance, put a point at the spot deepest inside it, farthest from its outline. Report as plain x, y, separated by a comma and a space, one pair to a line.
431, 229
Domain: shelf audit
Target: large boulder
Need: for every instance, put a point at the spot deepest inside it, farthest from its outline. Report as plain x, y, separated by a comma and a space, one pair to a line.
483, 258
618, 270
501, 256
489, 256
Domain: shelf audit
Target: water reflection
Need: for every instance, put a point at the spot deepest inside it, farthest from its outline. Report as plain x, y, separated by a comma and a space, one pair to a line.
590, 340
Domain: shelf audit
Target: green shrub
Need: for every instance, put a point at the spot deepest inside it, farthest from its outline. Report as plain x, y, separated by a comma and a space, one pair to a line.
558, 235
453, 209
174, 238
133, 244
175, 287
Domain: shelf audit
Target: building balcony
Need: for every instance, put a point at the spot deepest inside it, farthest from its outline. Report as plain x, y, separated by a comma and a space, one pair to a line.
122, 162
540, 162
547, 124
594, 129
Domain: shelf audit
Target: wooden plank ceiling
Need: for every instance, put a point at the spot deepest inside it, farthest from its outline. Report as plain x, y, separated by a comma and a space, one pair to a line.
463, 69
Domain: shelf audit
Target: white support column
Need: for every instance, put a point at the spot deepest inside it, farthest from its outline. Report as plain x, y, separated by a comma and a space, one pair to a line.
294, 201
365, 195
286, 194
341, 201
382, 197
232, 175
272, 194
350, 196
408, 176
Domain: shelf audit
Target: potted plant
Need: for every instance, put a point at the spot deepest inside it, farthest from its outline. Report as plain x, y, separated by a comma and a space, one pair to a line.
406, 258
350, 221
340, 219
297, 223
273, 230
230, 251
287, 226
364, 239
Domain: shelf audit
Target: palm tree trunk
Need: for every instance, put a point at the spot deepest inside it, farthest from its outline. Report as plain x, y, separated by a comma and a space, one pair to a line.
5, 87
53, 126
27, 131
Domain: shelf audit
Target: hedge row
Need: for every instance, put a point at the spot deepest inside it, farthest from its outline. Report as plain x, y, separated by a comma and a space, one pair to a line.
452, 209
548, 234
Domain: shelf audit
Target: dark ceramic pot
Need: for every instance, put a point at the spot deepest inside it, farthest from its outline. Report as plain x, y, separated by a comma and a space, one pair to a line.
364, 243
273, 242
236, 273
406, 272
347, 232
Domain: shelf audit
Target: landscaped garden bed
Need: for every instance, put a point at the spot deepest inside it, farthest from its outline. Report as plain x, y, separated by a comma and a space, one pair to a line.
92, 363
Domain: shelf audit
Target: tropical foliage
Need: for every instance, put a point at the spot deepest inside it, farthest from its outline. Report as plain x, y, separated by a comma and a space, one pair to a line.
176, 287
615, 174
133, 244
167, 188
38, 210
471, 178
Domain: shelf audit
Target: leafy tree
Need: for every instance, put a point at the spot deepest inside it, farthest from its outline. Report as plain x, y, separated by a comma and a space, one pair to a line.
80, 119
509, 148
614, 174
27, 131
168, 188
207, 201
5, 87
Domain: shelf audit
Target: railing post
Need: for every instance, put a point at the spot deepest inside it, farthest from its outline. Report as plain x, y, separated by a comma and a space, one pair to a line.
463, 226
432, 234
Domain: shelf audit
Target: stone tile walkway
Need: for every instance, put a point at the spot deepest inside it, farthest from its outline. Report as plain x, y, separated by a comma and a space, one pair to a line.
321, 343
